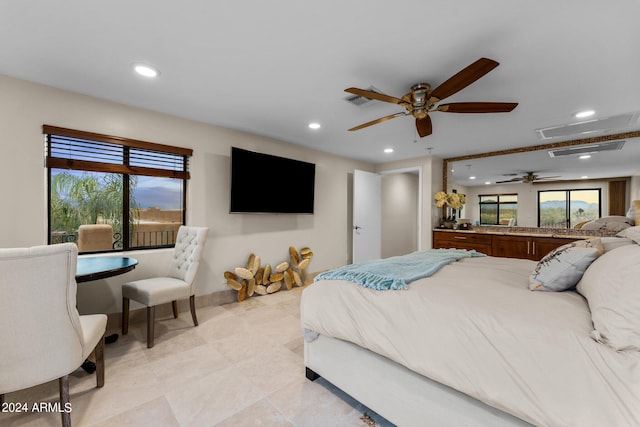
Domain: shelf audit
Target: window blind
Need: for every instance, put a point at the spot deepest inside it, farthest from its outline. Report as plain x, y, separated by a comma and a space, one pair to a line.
72, 149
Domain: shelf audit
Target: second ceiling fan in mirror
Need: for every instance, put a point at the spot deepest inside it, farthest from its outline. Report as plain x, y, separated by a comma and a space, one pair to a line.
422, 100
528, 178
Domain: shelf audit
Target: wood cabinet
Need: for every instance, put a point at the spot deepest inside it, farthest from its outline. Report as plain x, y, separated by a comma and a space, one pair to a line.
502, 245
462, 240
512, 246
526, 247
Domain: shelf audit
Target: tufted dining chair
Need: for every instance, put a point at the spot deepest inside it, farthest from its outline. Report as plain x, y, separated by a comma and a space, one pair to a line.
43, 336
179, 283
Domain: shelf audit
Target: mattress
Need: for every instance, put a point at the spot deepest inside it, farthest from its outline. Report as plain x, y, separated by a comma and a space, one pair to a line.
475, 326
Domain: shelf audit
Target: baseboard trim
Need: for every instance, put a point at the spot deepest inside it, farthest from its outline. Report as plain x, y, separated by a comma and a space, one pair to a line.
139, 315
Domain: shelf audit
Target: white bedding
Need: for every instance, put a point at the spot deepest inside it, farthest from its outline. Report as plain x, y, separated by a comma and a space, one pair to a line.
526, 353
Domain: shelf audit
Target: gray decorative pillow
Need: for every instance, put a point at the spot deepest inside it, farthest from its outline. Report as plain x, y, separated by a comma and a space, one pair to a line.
562, 268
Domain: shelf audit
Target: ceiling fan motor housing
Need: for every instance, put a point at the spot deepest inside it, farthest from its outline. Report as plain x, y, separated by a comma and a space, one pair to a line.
422, 100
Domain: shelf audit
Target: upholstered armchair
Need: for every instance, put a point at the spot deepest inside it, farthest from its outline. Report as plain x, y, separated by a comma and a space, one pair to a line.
179, 283
95, 237
43, 336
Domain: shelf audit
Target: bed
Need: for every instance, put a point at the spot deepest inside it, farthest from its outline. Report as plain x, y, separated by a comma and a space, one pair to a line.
473, 345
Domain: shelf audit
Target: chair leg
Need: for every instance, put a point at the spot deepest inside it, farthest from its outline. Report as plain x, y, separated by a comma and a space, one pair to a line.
192, 305
174, 305
151, 317
99, 351
63, 384
125, 316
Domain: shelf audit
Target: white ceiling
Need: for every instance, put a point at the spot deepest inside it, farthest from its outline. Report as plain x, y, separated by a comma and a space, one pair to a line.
270, 68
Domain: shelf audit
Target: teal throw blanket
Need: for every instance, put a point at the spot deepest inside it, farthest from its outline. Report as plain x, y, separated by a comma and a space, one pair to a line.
396, 272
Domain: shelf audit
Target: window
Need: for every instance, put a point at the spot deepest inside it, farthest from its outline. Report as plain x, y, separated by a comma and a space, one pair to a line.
498, 209
109, 193
566, 208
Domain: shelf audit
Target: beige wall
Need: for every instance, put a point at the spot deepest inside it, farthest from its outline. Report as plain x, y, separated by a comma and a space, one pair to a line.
399, 214
25, 107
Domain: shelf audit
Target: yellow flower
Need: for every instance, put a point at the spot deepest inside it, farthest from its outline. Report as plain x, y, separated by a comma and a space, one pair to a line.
441, 195
441, 198
454, 200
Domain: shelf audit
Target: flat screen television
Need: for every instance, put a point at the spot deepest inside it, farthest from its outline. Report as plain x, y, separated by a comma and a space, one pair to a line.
262, 183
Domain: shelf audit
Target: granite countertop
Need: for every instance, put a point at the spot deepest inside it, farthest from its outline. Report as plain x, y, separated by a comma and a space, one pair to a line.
561, 233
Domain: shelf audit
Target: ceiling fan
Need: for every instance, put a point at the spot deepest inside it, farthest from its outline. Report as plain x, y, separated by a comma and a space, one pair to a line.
422, 100
528, 178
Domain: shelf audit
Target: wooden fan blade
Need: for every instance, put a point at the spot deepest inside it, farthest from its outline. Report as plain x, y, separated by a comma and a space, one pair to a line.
464, 78
546, 177
478, 107
376, 121
424, 126
374, 95
509, 180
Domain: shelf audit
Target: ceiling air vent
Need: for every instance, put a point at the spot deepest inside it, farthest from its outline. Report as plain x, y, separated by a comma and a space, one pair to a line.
586, 149
361, 101
612, 123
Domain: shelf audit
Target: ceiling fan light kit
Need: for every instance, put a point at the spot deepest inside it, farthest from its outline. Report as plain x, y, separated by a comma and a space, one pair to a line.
422, 100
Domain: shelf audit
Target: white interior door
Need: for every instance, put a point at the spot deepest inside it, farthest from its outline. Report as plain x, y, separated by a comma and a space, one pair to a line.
367, 216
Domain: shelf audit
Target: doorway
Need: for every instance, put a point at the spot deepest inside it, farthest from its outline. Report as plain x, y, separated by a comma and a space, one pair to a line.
396, 227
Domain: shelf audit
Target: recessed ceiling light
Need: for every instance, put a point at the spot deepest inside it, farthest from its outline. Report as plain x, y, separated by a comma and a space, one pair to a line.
388, 150
584, 177
146, 70
314, 125
487, 182
585, 113
585, 156
472, 177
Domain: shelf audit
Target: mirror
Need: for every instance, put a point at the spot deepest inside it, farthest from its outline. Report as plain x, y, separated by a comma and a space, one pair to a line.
589, 163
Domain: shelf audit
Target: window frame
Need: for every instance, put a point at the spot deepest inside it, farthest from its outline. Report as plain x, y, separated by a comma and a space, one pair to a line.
125, 169
568, 202
497, 204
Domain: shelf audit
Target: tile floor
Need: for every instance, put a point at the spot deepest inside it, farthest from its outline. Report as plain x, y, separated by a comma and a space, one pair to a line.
243, 366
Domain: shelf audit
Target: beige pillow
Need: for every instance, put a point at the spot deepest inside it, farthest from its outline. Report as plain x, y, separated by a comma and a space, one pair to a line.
632, 233
612, 288
563, 267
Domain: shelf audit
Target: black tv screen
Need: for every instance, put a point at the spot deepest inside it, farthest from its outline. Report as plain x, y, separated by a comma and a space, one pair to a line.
262, 183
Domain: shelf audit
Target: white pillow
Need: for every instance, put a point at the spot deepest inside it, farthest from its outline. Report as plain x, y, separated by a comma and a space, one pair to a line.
612, 288
563, 267
606, 226
611, 242
632, 233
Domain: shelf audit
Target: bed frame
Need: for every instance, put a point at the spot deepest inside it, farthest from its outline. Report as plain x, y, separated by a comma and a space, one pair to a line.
394, 392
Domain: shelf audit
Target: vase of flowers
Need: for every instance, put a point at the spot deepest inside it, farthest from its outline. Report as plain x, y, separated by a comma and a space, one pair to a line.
451, 203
